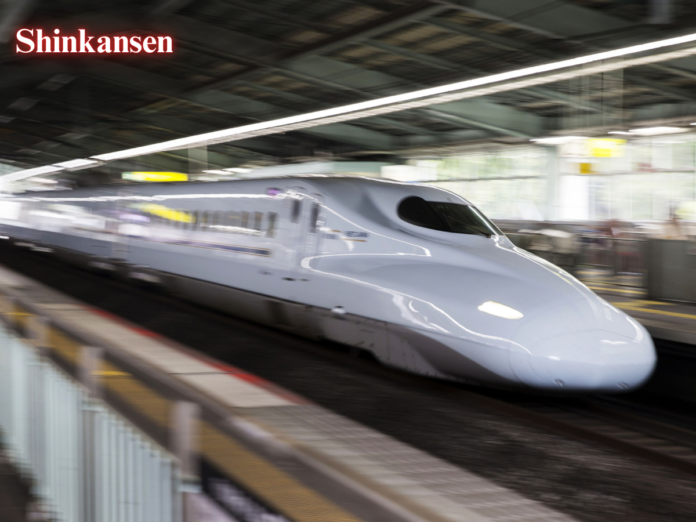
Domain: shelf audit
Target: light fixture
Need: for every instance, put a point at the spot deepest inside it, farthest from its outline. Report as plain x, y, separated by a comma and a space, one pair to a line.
28, 173
556, 140
238, 170
500, 310
77, 164
625, 133
527, 77
219, 172
655, 131
45, 181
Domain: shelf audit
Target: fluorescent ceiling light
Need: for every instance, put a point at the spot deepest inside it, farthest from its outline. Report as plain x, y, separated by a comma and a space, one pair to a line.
625, 133
518, 79
45, 181
77, 163
655, 131
557, 140
238, 169
28, 173
220, 172
500, 310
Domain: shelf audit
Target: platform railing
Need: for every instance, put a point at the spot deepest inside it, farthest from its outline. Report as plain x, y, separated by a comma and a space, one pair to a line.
619, 261
86, 462
104, 435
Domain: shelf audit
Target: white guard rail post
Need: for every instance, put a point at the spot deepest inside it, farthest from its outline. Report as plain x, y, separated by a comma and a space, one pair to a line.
87, 462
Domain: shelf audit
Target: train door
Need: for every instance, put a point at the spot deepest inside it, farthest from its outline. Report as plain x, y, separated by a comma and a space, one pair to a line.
100, 246
305, 222
309, 225
120, 249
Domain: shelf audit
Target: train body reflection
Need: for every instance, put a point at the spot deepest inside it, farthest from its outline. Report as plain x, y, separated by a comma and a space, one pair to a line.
414, 274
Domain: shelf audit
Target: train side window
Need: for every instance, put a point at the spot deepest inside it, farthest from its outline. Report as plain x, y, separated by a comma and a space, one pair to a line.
271, 230
314, 218
194, 221
216, 218
258, 220
232, 218
296, 209
205, 220
245, 220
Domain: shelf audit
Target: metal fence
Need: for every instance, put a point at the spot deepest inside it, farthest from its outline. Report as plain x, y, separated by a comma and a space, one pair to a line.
87, 463
620, 261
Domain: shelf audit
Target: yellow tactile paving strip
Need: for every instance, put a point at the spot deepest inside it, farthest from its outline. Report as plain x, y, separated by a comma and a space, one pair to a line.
648, 307
256, 474
633, 300
600, 287
272, 485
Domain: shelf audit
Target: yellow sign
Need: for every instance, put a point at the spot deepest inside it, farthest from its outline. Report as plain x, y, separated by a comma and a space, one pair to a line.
585, 168
606, 147
155, 176
165, 212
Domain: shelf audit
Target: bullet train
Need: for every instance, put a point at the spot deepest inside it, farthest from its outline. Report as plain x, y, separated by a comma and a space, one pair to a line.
414, 274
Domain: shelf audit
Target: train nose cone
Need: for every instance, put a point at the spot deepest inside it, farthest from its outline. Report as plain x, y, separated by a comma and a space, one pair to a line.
594, 360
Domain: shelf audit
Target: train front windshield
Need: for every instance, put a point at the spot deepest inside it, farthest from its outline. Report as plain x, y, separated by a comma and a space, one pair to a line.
446, 217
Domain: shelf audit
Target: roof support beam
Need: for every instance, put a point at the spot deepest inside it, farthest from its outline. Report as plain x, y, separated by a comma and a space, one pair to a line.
12, 15
392, 20
557, 19
362, 82
560, 19
229, 103
431, 61
435, 112
509, 44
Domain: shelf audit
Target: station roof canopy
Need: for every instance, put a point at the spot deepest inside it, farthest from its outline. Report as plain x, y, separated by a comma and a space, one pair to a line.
237, 62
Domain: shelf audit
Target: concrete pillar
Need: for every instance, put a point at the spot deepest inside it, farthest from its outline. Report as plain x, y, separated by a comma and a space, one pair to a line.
552, 211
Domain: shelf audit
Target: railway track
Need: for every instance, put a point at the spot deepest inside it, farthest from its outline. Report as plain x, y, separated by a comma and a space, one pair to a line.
621, 426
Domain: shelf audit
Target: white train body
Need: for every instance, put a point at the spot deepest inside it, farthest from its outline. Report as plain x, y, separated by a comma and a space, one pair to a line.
331, 257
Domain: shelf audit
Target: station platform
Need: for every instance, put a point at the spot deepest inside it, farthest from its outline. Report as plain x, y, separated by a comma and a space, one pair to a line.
666, 320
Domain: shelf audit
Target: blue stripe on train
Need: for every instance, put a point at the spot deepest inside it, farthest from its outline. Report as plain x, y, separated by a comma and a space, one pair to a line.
202, 244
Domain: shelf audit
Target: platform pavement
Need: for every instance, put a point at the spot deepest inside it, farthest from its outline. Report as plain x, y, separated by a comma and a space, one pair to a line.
295, 459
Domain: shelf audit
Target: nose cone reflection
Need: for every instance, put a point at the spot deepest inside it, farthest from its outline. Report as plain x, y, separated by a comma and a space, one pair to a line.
596, 360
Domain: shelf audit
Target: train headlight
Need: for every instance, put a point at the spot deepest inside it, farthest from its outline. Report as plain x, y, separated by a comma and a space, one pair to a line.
493, 308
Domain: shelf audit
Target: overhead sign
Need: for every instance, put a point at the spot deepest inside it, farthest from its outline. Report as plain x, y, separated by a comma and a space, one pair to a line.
33, 41
593, 147
606, 147
155, 176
